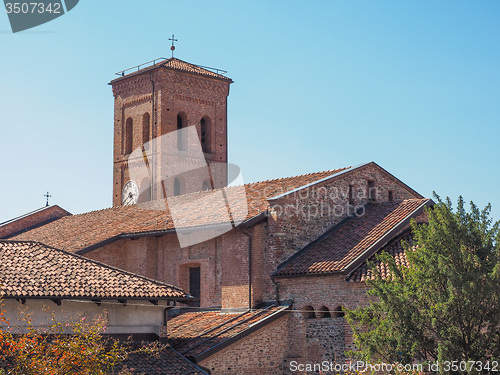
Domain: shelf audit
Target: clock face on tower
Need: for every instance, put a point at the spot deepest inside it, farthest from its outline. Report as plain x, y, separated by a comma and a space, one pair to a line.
130, 193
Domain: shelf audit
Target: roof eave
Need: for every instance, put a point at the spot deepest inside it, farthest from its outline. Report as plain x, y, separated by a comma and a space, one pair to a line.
96, 298
306, 274
254, 220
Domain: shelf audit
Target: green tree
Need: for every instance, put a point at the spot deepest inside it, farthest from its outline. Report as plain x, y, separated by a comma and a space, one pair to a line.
445, 306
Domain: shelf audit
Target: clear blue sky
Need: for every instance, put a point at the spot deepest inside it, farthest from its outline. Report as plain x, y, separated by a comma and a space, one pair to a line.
411, 85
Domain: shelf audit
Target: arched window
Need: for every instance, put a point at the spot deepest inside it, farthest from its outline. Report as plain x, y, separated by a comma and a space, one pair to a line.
146, 137
205, 134
205, 186
324, 312
308, 312
145, 190
181, 123
177, 187
127, 140
339, 312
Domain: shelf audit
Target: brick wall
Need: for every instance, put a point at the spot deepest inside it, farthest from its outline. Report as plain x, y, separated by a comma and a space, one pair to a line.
223, 263
262, 352
134, 255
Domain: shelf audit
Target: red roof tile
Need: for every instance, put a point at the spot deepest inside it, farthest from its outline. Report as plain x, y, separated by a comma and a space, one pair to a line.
166, 362
345, 243
78, 232
394, 249
33, 270
195, 333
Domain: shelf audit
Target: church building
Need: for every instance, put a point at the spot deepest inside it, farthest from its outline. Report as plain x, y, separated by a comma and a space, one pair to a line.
271, 264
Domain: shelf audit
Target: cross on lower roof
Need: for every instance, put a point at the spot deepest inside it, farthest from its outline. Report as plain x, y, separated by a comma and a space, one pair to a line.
47, 196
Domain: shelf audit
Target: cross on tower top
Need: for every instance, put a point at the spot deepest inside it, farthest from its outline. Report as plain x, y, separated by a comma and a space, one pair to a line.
47, 196
172, 48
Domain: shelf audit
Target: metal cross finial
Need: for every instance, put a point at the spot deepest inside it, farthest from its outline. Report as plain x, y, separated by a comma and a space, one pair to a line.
172, 48
47, 196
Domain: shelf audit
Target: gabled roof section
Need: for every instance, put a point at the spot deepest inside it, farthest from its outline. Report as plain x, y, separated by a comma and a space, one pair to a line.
395, 249
87, 231
178, 65
31, 220
345, 171
198, 335
34, 270
345, 246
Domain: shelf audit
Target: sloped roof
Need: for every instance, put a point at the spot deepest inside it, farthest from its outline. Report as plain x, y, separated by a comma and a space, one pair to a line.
179, 65
395, 249
77, 232
34, 270
345, 245
31, 220
166, 362
199, 334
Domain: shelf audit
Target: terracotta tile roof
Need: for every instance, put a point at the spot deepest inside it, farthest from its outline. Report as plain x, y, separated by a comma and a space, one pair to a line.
193, 334
394, 249
33, 270
179, 65
78, 232
166, 362
345, 243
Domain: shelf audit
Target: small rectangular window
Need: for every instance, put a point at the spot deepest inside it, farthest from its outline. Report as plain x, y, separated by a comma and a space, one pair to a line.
391, 198
195, 284
351, 195
371, 191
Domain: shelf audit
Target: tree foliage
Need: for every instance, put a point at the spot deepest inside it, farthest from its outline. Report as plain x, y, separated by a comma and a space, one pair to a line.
445, 306
52, 351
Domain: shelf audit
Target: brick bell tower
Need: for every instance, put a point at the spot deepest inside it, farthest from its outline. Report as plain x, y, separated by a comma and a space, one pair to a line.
168, 96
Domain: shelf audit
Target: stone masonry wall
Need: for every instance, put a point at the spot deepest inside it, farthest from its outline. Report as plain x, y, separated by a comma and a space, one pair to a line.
317, 339
298, 218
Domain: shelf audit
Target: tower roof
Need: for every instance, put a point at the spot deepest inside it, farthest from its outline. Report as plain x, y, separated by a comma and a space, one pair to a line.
173, 64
